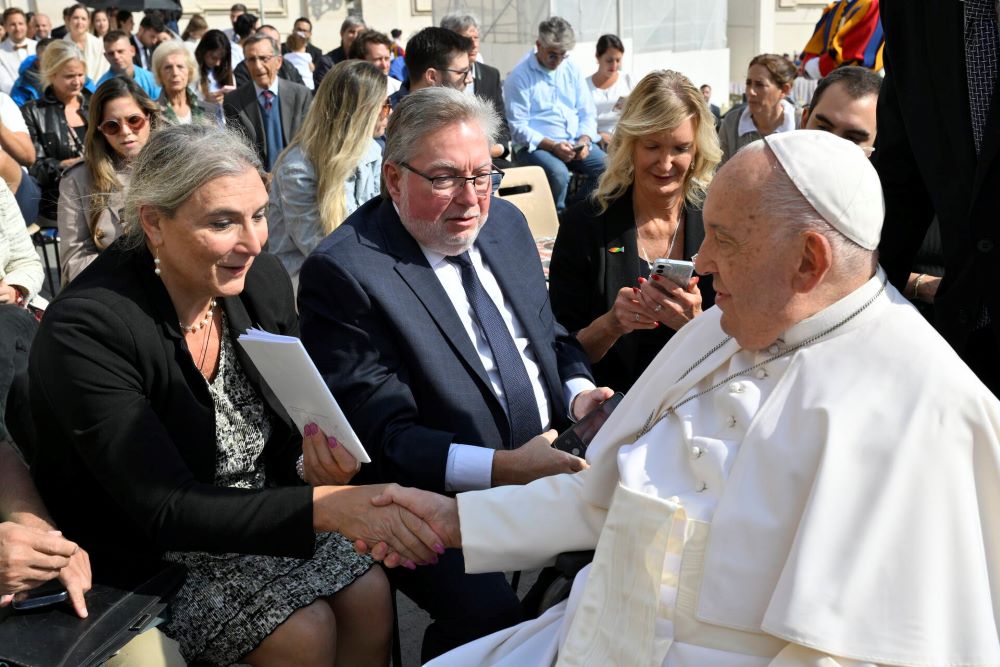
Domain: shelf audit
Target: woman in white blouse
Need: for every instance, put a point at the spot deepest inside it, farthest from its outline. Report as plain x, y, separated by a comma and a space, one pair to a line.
78, 32
609, 85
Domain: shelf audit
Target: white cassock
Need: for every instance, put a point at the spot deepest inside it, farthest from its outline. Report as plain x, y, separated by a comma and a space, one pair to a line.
837, 505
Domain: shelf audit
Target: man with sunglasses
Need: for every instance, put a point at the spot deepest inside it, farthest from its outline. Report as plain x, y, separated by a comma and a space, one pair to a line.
427, 314
552, 116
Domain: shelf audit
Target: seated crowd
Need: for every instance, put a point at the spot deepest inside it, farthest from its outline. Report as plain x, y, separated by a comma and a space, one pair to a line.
352, 201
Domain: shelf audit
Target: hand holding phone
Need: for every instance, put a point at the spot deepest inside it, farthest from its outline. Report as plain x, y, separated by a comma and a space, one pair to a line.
49, 593
577, 437
676, 270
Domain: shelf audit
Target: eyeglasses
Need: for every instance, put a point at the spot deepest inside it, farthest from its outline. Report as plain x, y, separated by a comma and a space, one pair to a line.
555, 56
464, 72
450, 186
263, 60
135, 122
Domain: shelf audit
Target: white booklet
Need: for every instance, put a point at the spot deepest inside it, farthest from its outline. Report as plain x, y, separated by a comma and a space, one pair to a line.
294, 379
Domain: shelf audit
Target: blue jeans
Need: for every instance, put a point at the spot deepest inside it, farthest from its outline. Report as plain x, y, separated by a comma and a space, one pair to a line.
558, 171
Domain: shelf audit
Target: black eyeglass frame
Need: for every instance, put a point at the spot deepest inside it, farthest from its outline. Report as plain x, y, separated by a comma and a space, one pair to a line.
495, 175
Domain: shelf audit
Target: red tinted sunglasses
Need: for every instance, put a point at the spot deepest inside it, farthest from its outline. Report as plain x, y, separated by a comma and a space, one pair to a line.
112, 127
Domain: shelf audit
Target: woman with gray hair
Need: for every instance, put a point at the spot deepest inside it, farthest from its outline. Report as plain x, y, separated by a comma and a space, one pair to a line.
161, 440
176, 71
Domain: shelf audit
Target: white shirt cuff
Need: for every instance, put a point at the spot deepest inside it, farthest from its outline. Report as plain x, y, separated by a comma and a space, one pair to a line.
470, 468
571, 388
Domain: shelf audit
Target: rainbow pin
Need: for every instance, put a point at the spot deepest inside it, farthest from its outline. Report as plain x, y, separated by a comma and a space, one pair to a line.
616, 249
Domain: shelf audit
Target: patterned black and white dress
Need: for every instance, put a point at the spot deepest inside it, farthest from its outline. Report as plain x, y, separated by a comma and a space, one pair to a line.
231, 602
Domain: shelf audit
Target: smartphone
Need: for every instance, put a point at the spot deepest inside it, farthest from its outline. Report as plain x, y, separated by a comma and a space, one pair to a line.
49, 593
677, 270
227, 89
577, 437
579, 147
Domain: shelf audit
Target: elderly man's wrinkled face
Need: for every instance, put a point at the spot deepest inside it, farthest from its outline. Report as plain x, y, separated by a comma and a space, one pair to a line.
751, 261
262, 63
848, 118
445, 217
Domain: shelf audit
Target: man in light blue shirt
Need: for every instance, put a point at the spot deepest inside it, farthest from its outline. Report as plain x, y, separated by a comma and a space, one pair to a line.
119, 51
552, 115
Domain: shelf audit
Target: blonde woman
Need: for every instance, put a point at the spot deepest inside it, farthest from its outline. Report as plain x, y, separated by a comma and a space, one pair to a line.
647, 206
91, 195
332, 166
92, 48
57, 120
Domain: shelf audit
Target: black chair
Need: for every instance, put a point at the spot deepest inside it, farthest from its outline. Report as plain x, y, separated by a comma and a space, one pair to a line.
44, 238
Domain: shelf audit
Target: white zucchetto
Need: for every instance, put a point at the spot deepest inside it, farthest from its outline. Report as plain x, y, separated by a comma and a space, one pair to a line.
836, 177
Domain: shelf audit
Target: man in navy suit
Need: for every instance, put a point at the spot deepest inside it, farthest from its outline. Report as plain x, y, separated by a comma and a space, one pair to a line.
433, 329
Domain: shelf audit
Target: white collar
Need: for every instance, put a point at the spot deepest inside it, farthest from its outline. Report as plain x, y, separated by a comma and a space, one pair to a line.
746, 125
273, 87
834, 313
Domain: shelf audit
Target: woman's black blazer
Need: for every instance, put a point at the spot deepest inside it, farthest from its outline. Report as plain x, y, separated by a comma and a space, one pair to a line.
126, 424
595, 255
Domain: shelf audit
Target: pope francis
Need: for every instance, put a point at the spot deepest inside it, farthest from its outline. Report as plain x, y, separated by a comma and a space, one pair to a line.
807, 474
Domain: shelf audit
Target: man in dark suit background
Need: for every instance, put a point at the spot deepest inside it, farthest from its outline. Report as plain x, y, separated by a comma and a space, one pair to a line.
304, 27
938, 152
267, 114
349, 30
486, 82
433, 329
287, 71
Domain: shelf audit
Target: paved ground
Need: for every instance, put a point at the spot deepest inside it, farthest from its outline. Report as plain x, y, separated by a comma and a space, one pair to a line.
413, 621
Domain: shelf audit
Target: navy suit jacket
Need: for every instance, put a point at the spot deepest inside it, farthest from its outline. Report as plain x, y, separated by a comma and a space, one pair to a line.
387, 339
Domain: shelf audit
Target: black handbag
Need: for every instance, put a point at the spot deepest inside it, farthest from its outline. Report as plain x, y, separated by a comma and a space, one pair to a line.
56, 637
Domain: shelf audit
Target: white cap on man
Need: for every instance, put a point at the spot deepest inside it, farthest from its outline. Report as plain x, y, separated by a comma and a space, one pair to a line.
836, 177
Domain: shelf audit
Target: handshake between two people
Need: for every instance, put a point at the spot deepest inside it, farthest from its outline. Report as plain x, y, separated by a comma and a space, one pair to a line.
402, 526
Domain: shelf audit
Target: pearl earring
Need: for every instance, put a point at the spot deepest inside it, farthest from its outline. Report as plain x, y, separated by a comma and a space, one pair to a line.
156, 263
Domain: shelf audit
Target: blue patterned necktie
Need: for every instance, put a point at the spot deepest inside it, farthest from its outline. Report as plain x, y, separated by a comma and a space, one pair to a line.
982, 44
522, 409
268, 98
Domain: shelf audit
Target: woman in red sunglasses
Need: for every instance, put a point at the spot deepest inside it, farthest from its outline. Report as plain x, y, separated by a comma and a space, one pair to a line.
91, 194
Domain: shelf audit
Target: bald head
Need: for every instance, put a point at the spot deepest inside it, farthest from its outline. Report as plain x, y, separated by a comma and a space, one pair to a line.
773, 258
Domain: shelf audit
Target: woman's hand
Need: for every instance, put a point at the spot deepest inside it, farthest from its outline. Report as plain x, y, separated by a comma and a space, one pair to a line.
407, 540
216, 96
324, 460
630, 312
29, 557
669, 303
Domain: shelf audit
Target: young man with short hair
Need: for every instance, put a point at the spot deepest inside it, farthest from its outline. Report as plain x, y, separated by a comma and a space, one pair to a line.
119, 51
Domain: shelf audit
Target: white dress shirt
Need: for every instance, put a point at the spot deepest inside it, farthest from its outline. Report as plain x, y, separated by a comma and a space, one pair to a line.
470, 467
